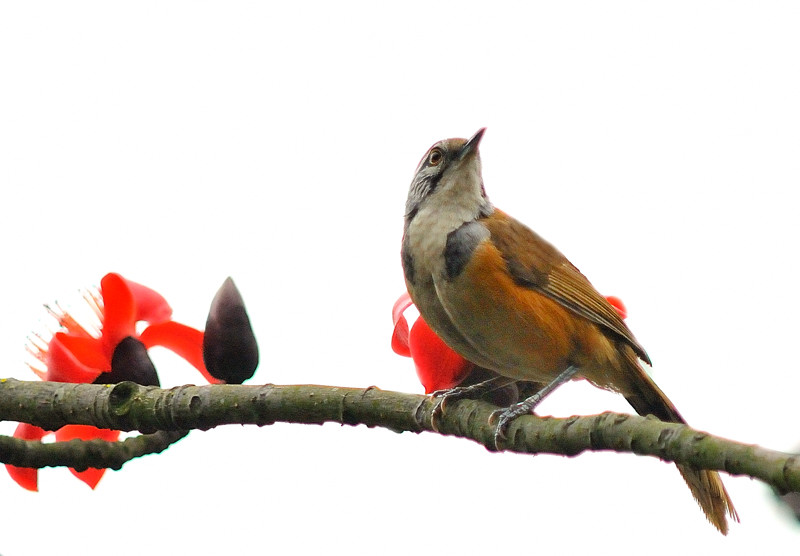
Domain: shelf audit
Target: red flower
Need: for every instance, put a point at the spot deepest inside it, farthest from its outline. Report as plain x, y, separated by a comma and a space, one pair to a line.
438, 366
116, 352
618, 306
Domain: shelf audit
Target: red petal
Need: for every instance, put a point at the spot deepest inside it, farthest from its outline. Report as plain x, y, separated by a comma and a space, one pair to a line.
618, 305
400, 332
438, 366
124, 304
85, 432
26, 431
183, 340
151, 306
119, 311
92, 475
87, 350
63, 366
26, 477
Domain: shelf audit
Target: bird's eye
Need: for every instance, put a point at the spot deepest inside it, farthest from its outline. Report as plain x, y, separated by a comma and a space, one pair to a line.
435, 158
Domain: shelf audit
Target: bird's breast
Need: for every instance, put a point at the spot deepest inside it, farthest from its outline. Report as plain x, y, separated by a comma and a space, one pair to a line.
522, 333
426, 239
424, 261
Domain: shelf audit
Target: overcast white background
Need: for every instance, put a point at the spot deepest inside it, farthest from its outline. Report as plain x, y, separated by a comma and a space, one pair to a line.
181, 142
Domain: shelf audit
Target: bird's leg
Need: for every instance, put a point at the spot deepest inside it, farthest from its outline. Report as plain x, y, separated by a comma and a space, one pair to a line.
464, 392
504, 417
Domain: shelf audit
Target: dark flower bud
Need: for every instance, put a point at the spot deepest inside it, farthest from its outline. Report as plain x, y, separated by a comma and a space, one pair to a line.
130, 362
230, 351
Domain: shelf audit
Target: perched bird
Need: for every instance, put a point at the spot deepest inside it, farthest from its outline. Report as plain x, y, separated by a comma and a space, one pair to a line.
507, 300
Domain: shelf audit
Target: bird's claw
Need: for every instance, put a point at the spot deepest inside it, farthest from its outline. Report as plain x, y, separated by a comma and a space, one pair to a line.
442, 397
438, 409
504, 418
458, 393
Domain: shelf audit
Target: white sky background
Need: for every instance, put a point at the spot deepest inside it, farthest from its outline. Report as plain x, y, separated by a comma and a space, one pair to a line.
179, 143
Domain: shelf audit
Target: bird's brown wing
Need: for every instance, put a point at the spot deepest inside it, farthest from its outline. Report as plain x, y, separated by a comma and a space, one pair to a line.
536, 264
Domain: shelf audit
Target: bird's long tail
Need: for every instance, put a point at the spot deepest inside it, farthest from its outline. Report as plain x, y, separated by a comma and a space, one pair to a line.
706, 486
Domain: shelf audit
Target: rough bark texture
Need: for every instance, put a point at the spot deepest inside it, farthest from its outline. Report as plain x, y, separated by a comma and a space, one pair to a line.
130, 407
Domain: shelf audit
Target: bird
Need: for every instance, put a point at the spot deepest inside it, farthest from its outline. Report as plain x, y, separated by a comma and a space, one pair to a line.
507, 300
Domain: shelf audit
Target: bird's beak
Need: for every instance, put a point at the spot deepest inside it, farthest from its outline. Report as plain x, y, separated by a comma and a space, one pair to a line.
471, 145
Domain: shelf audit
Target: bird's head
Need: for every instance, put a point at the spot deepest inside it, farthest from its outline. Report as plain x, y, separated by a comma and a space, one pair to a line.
451, 169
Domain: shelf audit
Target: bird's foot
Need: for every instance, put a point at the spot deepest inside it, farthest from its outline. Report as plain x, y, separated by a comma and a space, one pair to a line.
505, 417
443, 397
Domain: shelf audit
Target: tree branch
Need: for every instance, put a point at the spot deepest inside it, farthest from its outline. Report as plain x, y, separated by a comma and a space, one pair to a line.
82, 454
128, 406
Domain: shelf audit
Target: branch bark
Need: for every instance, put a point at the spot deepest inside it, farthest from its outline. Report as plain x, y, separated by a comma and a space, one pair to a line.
128, 406
82, 454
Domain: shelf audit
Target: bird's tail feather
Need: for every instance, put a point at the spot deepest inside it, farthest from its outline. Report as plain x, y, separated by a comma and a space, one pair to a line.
647, 399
